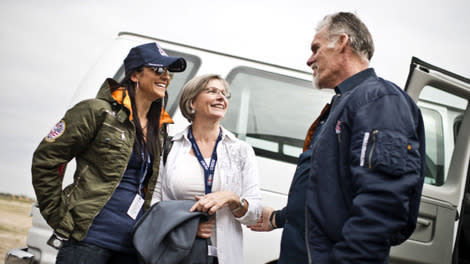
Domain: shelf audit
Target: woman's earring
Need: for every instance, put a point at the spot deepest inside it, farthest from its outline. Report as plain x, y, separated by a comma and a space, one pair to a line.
193, 111
137, 84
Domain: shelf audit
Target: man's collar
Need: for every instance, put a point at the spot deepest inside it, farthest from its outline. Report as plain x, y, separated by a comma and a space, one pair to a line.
354, 80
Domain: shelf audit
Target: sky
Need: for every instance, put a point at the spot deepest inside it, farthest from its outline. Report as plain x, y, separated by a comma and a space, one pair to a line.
47, 48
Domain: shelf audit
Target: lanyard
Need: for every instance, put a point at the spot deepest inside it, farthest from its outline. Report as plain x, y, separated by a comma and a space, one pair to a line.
208, 170
143, 170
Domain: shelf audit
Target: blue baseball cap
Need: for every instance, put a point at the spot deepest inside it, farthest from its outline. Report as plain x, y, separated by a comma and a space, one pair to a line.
152, 55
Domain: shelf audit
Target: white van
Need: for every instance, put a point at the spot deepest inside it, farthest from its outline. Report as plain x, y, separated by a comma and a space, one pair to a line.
272, 107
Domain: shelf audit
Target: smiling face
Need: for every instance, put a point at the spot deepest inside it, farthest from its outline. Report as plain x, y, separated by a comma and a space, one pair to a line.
323, 60
211, 102
152, 85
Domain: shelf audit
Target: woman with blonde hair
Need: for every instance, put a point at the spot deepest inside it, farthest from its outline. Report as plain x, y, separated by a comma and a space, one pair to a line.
209, 164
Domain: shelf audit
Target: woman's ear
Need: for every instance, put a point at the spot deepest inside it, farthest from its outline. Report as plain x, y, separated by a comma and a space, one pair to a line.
135, 77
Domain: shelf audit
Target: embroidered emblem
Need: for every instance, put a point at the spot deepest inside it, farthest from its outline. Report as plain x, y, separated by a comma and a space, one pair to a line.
338, 127
162, 52
56, 131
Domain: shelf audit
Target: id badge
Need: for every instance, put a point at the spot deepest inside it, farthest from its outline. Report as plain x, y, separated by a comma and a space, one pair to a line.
211, 251
135, 207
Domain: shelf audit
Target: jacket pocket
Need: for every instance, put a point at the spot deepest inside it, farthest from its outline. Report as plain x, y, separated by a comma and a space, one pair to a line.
392, 152
111, 136
108, 145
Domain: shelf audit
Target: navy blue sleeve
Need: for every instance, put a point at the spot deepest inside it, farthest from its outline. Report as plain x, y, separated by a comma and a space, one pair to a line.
281, 216
387, 147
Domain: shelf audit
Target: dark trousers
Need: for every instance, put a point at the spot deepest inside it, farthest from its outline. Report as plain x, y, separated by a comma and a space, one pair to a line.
76, 252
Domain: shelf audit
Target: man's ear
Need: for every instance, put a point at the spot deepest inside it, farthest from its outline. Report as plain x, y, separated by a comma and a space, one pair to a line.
342, 42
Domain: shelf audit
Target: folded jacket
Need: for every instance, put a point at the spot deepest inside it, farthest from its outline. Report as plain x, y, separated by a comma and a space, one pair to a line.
166, 234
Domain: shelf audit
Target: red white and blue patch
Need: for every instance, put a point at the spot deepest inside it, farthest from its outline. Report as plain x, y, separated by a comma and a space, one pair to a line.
338, 127
57, 131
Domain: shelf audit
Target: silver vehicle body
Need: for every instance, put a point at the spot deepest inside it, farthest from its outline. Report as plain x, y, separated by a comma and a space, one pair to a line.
273, 106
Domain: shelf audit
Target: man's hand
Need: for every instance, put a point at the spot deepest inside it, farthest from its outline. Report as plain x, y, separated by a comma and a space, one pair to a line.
263, 222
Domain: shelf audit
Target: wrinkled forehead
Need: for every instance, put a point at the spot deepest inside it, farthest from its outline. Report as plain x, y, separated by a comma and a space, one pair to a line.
322, 33
320, 37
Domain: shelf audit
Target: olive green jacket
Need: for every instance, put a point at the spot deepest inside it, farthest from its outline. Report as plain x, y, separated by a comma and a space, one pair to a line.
99, 134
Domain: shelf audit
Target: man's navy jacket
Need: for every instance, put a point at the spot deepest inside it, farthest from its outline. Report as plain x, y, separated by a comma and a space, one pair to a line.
366, 175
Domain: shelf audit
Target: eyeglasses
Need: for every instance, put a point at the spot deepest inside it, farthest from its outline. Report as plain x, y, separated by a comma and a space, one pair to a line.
214, 91
159, 70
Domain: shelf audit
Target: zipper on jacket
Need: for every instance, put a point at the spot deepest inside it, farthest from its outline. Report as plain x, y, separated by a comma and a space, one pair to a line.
309, 256
115, 187
374, 140
109, 125
123, 133
78, 179
107, 200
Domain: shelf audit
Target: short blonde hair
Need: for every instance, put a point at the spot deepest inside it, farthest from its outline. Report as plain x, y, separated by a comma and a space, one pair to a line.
192, 89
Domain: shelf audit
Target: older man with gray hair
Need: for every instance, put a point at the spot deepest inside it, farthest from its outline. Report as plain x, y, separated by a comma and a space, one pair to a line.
358, 183
367, 166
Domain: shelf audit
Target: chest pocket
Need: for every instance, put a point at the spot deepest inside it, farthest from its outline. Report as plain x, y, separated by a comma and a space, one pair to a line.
230, 173
111, 136
111, 140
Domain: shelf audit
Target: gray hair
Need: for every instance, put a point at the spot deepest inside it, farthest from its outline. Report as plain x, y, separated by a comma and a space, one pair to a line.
192, 89
360, 39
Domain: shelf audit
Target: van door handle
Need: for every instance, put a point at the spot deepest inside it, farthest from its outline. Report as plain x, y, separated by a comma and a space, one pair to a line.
423, 222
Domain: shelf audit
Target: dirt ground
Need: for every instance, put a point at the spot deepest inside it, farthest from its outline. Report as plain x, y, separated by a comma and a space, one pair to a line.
14, 224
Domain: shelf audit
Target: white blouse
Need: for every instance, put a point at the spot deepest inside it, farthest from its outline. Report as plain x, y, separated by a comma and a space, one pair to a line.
235, 171
188, 180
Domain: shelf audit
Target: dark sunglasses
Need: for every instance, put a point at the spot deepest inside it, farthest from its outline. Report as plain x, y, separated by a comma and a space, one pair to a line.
159, 70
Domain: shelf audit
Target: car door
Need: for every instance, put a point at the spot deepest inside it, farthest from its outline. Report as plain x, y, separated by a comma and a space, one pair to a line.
443, 99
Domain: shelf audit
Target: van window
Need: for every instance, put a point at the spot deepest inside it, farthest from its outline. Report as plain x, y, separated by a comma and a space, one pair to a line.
442, 116
177, 80
434, 146
274, 111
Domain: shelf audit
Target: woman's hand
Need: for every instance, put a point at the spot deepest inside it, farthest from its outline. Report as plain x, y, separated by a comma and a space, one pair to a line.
204, 230
212, 202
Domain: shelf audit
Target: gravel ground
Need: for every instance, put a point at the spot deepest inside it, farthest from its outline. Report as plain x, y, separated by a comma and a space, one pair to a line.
14, 224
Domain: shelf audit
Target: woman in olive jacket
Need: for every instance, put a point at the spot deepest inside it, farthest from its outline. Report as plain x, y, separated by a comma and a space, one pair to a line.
114, 139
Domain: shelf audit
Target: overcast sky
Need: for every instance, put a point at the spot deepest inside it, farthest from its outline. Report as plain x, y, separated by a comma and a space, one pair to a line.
48, 46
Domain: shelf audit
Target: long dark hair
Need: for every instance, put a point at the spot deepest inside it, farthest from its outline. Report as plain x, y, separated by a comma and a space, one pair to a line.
152, 146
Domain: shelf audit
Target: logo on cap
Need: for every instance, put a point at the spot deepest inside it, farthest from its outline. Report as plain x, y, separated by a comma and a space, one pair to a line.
162, 52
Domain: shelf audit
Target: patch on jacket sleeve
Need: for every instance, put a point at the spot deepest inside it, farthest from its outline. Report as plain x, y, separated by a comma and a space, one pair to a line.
393, 153
57, 131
